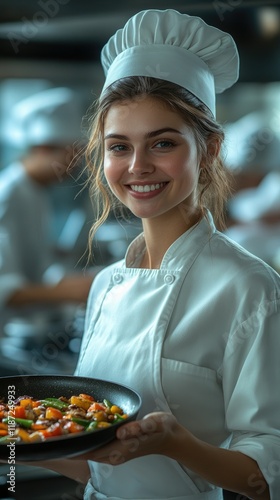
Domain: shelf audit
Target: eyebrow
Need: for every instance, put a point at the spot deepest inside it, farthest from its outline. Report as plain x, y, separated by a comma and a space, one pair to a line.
149, 135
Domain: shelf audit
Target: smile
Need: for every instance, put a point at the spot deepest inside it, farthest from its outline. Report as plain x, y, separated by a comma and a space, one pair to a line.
147, 188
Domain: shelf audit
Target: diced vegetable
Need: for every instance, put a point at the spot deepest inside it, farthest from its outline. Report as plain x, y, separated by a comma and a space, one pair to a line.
18, 411
35, 437
107, 403
116, 409
55, 403
30, 420
80, 402
52, 431
92, 426
119, 418
74, 427
22, 434
38, 426
26, 402
23, 422
80, 421
87, 396
100, 416
103, 425
97, 407
5, 439
53, 413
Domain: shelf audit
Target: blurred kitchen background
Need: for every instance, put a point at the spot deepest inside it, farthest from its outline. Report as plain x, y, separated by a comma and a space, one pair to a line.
46, 44
57, 43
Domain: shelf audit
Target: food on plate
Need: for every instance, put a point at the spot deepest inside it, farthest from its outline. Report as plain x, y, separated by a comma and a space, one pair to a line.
31, 420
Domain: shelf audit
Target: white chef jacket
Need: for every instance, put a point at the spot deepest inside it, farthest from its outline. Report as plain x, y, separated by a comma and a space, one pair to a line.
25, 250
199, 337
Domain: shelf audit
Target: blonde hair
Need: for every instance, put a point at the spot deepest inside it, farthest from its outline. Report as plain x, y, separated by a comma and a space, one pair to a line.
214, 180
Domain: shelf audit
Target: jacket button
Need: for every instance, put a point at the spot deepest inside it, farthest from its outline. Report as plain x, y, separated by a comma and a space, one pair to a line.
118, 278
169, 279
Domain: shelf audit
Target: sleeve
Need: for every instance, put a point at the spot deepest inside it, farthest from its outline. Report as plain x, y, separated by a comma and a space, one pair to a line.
251, 387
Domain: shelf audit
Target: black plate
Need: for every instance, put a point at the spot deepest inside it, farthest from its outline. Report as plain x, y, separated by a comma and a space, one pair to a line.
40, 386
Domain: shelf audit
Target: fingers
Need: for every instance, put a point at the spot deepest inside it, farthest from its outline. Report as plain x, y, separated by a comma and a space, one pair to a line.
150, 424
136, 439
115, 453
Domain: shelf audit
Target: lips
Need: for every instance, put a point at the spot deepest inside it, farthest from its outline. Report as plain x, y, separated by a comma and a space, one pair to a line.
147, 188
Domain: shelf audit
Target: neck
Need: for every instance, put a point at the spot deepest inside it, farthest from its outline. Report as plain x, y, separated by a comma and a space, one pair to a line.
161, 232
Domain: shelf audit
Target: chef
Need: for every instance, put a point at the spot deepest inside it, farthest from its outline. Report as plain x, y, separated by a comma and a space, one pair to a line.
34, 284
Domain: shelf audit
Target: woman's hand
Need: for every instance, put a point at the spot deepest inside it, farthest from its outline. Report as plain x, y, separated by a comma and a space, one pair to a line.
156, 433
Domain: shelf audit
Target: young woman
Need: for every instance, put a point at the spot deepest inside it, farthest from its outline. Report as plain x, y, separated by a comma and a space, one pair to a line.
188, 318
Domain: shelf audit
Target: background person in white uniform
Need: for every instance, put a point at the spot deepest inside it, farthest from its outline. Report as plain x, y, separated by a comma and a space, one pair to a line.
47, 128
253, 156
188, 318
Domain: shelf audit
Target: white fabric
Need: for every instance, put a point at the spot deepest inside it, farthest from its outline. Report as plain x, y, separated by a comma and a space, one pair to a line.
176, 47
200, 337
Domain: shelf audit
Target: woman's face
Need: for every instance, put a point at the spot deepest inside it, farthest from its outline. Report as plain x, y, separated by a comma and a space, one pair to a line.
151, 160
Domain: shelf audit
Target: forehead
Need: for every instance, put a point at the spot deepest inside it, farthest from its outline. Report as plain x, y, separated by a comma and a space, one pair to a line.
145, 109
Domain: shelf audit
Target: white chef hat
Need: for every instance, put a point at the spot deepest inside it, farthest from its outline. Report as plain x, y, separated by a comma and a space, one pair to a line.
52, 116
175, 47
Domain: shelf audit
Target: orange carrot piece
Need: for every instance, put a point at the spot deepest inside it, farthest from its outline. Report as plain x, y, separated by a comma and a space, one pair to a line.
53, 413
25, 402
18, 412
97, 407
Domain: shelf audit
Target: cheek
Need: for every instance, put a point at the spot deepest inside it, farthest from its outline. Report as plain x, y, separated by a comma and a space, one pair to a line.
183, 169
112, 173
191, 165
108, 170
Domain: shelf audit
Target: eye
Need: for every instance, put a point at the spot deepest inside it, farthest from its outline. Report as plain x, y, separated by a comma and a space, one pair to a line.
164, 143
117, 147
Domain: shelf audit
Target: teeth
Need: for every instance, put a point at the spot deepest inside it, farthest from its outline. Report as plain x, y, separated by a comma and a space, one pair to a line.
147, 188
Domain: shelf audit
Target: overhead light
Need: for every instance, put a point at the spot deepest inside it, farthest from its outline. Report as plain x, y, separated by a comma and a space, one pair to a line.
269, 21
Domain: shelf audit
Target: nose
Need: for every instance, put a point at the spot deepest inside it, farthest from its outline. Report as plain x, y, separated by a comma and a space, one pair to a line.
140, 163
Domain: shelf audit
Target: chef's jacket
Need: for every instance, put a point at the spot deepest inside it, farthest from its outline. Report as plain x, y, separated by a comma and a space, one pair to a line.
199, 337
